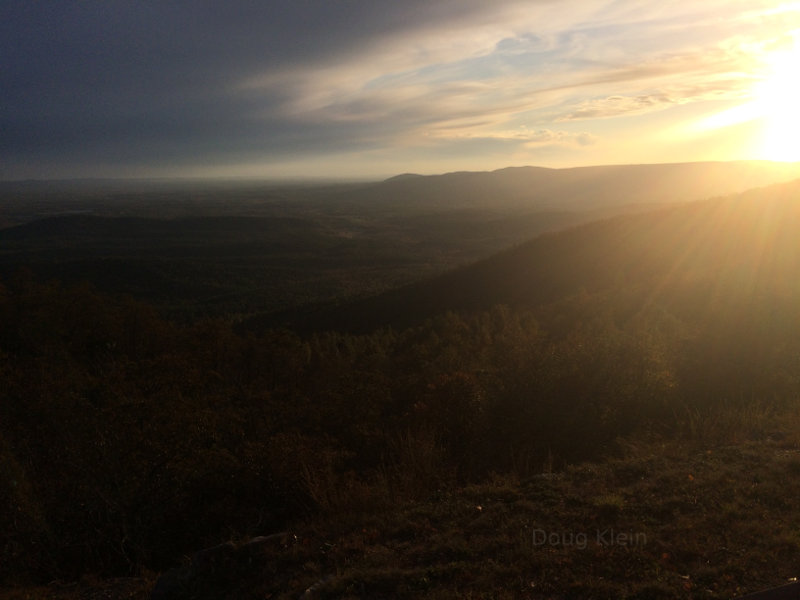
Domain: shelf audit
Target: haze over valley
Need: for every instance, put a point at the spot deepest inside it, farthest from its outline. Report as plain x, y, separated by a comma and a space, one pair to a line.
252, 247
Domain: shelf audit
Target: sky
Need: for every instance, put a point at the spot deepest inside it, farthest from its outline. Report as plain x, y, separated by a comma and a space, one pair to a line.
373, 88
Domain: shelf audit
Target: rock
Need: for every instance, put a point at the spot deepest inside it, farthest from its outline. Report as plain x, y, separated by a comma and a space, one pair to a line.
171, 585
213, 559
311, 592
211, 571
785, 592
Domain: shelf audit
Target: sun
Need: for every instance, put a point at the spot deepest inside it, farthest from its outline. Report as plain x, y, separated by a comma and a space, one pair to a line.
777, 99
773, 105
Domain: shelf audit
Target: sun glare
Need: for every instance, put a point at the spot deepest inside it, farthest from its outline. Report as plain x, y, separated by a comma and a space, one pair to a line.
778, 97
774, 104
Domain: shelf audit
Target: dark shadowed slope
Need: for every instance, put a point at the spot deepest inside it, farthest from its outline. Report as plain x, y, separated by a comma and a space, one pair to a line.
738, 248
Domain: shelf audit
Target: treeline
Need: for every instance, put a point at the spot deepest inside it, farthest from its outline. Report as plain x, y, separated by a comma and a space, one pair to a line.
127, 441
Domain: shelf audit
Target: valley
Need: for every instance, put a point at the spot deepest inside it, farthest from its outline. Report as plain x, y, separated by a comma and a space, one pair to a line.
399, 393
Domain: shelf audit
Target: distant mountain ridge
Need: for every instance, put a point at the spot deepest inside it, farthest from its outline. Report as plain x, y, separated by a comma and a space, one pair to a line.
578, 188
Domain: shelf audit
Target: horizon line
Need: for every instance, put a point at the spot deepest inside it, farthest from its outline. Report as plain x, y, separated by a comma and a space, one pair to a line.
323, 179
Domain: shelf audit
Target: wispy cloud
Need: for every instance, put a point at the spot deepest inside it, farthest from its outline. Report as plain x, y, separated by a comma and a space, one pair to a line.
528, 138
616, 106
515, 74
180, 83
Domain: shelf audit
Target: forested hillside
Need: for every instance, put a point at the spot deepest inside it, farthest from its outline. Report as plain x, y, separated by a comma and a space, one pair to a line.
129, 440
733, 253
237, 265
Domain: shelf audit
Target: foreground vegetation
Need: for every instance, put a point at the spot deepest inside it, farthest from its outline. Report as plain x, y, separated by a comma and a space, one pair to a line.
666, 521
487, 452
129, 442
663, 521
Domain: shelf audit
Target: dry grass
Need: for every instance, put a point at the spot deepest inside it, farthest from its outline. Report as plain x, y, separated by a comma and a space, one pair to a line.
687, 518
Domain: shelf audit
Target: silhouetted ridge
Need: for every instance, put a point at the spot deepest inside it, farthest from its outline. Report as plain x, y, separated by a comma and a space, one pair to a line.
402, 177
